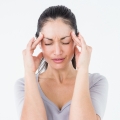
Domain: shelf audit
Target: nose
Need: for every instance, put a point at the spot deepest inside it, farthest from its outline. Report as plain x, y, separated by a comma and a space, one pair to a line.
57, 49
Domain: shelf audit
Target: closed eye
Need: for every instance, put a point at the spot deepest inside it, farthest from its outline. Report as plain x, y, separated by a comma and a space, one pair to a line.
66, 43
62, 43
47, 44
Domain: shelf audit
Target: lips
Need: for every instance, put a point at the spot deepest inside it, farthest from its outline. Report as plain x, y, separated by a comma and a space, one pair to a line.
58, 60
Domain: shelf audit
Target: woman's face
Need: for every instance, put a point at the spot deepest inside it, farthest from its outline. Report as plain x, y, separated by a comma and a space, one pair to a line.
57, 44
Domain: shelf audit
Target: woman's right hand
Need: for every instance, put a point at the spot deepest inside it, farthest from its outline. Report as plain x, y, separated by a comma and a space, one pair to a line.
31, 63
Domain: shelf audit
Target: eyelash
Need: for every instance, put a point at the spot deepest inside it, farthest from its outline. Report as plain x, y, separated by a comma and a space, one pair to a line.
63, 43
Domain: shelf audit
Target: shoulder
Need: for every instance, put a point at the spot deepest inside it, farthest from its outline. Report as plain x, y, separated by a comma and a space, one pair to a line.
19, 83
97, 79
98, 86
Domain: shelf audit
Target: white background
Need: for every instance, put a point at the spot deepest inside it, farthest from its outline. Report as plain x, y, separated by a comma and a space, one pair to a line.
98, 22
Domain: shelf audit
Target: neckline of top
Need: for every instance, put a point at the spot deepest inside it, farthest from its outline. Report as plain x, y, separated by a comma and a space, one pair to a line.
49, 101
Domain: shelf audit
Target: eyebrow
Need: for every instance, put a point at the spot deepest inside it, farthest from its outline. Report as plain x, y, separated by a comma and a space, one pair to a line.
60, 39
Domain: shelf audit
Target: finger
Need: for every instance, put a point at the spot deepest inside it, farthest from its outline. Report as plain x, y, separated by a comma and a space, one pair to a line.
30, 43
83, 43
37, 41
75, 39
77, 51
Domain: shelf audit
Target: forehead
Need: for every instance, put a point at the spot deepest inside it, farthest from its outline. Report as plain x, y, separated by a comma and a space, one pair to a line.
56, 27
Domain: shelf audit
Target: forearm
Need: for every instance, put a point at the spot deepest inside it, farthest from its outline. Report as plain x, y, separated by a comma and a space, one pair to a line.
33, 107
81, 105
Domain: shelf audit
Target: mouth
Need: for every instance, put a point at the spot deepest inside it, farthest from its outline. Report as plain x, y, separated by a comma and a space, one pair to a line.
58, 60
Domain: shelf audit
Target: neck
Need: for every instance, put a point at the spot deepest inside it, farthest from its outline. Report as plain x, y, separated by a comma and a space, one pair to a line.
61, 75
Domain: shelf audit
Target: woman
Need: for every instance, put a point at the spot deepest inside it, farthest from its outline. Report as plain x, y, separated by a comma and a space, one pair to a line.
63, 89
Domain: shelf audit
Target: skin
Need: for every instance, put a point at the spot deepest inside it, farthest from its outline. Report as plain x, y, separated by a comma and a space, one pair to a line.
57, 30
58, 48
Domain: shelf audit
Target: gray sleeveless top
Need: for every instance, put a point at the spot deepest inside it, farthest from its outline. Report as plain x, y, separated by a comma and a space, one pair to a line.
98, 87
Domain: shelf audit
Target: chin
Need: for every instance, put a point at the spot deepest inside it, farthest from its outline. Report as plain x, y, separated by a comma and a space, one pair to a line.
59, 66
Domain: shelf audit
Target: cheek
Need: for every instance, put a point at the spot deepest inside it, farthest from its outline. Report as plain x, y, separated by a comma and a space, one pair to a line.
46, 52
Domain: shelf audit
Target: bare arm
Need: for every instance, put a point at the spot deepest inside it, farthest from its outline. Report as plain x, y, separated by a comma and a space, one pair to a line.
33, 106
81, 106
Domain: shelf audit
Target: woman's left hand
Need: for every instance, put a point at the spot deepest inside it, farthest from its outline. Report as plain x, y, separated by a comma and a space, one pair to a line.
82, 57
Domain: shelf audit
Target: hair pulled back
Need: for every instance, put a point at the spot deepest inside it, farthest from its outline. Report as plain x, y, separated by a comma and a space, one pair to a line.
55, 12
